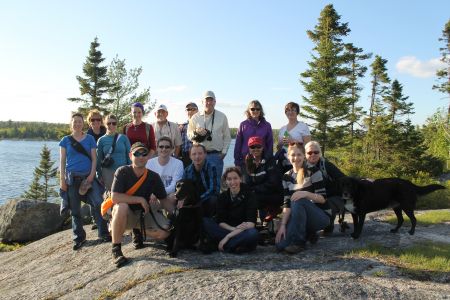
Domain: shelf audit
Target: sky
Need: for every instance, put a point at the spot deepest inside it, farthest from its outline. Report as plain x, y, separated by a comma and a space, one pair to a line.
242, 50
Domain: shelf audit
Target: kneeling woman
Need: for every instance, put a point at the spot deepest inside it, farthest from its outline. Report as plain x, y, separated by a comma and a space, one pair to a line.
304, 204
236, 216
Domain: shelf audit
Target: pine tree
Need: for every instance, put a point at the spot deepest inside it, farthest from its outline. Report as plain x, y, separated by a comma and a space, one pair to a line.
380, 79
95, 83
125, 84
45, 173
357, 71
396, 102
444, 73
327, 84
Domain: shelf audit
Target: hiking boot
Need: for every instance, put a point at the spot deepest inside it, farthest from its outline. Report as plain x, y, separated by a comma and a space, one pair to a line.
138, 240
118, 258
294, 249
77, 245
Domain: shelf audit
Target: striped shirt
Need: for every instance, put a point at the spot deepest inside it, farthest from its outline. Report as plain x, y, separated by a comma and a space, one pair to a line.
313, 183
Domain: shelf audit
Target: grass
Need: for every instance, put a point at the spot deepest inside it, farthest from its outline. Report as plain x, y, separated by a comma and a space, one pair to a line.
10, 247
419, 260
426, 218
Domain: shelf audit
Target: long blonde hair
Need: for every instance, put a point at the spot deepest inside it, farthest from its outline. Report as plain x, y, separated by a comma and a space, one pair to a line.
301, 173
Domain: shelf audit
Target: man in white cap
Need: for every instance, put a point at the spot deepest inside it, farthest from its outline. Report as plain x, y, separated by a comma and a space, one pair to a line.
210, 128
165, 128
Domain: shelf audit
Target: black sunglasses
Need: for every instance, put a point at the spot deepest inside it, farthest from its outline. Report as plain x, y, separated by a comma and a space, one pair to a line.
255, 109
312, 152
164, 147
190, 109
255, 147
94, 119
140, 153
111, 123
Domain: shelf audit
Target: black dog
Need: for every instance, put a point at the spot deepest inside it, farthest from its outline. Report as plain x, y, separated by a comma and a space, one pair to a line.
364, 196
187, 222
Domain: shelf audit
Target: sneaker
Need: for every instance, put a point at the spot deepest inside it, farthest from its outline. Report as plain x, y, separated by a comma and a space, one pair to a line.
294, 249
118, 258
138, 240
77, 245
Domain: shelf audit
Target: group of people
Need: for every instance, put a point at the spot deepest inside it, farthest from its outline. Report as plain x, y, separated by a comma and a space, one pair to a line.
140, 166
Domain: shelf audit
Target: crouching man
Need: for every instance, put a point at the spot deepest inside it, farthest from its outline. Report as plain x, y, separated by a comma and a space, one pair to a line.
135, 191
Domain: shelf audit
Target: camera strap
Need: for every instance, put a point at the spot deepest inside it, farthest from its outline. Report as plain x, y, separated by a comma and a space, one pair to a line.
212, 123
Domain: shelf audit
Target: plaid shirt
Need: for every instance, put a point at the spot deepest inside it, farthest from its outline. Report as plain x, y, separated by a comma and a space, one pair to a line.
186, 144
209, 179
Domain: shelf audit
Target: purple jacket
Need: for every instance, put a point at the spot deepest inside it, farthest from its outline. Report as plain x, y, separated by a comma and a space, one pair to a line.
246, 130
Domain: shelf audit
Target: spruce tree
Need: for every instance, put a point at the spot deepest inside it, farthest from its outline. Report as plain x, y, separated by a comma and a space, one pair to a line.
325, 80
124, 91
95, 83
444, 73
397, 105
355, 57
380, 79
41, 188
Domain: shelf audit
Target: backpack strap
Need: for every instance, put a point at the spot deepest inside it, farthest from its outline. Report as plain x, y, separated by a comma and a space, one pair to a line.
147, 131
111, 150
78, 147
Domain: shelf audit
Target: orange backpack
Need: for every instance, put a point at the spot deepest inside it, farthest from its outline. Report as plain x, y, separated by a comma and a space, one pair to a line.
107, 204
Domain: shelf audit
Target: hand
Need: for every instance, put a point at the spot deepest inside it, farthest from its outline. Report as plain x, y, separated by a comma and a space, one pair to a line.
144, 205
281, 234
172, 198
63, 185
222, 243
201, 131
90, 178
299, 195
153, 200
222, 156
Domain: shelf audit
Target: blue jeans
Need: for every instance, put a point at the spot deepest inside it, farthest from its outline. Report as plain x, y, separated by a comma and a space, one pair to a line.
247, 238
306, 218
94, 199
215, 160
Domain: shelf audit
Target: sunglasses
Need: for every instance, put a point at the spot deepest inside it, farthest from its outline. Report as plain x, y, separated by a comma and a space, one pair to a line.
255, 109
96, 120
140, 153
255, 147
312, 152
111, 123
164, 147
190, 109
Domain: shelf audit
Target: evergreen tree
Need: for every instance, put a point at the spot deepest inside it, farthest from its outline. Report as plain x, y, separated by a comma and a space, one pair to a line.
444, 73
125, 84
396, 102
44, 173
380, 79
95, 83
357, 71
437, 136
325, 80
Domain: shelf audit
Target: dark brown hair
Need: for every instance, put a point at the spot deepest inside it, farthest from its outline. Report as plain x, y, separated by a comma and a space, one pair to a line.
230, 170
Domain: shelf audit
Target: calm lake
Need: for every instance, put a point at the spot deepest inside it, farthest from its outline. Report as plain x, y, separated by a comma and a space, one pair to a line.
19, 158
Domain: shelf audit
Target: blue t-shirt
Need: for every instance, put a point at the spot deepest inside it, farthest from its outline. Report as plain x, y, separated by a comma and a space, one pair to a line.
121, 152
76, 161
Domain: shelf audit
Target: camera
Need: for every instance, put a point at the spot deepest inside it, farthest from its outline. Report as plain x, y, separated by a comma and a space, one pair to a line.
200, 138
107, 161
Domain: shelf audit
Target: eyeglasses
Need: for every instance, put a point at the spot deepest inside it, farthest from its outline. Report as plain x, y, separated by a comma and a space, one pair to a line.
140, 153
255, 109
96, 120
312, 152
190, 109
111, 123
164, 147
255, 147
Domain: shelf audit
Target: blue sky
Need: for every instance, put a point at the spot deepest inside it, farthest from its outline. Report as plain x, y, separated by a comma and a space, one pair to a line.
242, 50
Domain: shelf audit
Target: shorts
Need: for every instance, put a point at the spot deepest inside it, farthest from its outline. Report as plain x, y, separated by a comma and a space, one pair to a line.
134, 219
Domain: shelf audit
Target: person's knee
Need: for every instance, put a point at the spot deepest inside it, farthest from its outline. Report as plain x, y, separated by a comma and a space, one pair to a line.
120, 210
253, 234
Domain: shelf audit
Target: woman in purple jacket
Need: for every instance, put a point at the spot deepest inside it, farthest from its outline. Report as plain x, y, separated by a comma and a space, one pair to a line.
255, 125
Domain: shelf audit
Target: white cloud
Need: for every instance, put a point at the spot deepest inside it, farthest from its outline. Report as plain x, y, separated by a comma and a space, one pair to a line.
417, 68
175, 88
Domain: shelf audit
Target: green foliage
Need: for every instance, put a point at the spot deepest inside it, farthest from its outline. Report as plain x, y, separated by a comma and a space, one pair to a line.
426, 218
380, 80
124, 91
10, 247
32, 130
429, 257
397, 105
41, 187
436, 132
95, 83
325, 81
443, 74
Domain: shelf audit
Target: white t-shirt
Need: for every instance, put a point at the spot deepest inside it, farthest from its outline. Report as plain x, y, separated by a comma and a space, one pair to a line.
297, 133
169, 173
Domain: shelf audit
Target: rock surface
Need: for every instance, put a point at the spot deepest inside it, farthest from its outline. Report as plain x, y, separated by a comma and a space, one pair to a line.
49, 269
23, 220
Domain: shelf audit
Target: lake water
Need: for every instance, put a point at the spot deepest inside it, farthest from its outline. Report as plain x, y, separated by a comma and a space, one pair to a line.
19, 158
